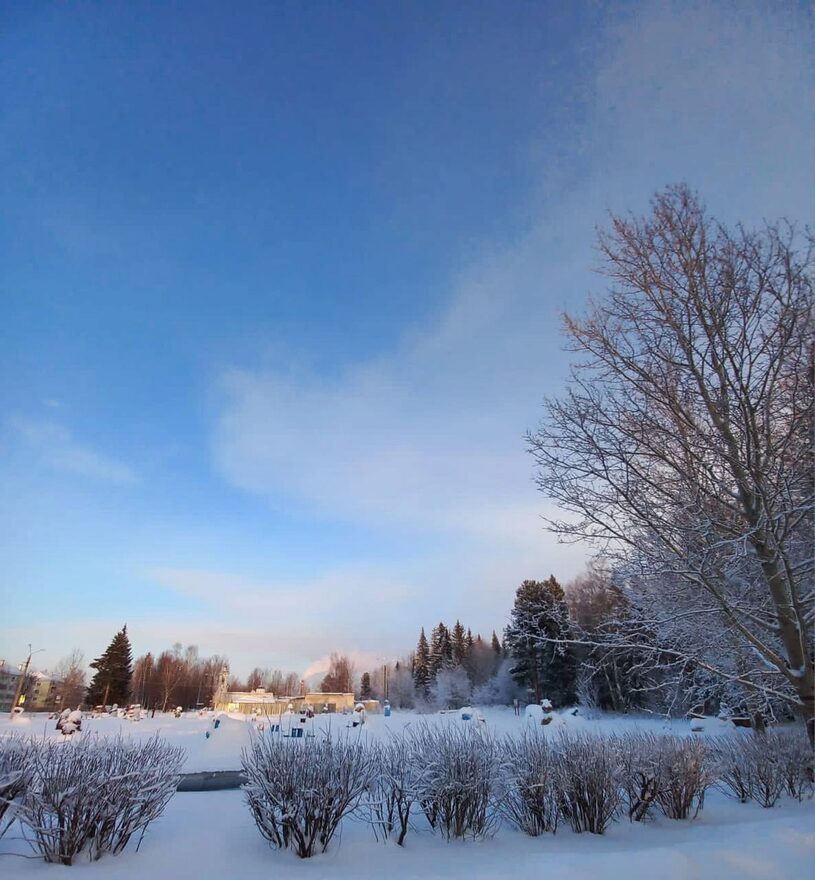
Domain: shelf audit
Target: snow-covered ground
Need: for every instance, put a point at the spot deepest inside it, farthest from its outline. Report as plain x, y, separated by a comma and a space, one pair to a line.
211, 836
222, 749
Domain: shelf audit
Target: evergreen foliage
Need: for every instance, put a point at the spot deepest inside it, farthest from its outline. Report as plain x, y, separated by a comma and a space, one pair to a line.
458, 640
539, 623
421, 666
111, 681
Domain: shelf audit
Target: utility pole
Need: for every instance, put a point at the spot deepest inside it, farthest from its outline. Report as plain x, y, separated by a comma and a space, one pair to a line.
21, 679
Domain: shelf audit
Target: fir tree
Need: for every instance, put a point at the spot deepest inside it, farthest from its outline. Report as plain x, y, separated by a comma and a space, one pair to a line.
539, 623
421, 667
496, 645
458, 643
441, 650
111, 682
365, 686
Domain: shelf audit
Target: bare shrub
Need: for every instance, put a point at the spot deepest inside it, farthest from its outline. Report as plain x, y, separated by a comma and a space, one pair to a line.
733, 770
795, 754
92, 795
684, 776
300, 790
15, 776
393, 788
460, 780
752, 768
531, 798
589, 781
640, 767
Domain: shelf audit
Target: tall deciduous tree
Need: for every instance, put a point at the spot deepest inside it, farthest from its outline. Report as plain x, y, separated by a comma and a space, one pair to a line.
71, 670
684, 443
340, 675
111, 681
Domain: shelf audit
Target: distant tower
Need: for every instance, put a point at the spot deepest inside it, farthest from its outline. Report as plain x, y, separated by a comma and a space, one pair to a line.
219, 699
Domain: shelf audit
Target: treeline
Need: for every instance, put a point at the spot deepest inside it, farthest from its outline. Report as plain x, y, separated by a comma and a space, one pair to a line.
450, 670
275, 681
176, 677
593, 643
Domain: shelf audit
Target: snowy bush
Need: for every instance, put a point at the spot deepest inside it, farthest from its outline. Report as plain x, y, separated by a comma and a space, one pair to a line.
761, 767
589, 781
393, 788
15, 776
640, 760
499, 690
452, 688
93, 795
531, 798
669, 771
459, 777
795, 754
685, 774
299, 790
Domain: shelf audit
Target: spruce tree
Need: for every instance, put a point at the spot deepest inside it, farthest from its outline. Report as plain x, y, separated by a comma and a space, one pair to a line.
421, 667
458, 642
496, 645
111, 682
365, 686
539, 624
441, 650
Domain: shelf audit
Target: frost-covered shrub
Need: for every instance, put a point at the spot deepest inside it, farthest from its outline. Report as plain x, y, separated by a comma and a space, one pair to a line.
734, 772
299, 790
761, 767
589, 781
459, 779
530, 798
15, 776
393, 789
668, 771
451, 689
640, 769
685, 774
795, 754
93, 795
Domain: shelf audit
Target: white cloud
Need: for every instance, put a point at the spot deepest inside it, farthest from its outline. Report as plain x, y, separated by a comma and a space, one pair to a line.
431, 435
56, 446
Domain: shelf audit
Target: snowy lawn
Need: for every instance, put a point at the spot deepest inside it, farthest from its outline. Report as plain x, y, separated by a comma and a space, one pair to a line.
222, 750
211, 836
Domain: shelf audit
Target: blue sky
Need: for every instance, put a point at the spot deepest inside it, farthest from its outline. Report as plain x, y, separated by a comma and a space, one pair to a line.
281, 287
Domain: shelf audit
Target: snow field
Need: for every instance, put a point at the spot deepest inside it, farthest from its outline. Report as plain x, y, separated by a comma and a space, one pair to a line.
212, 835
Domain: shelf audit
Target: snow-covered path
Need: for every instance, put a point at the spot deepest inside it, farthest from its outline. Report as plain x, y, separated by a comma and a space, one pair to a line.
212, 837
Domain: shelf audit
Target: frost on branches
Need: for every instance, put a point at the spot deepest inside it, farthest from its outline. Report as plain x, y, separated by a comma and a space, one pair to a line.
683, 447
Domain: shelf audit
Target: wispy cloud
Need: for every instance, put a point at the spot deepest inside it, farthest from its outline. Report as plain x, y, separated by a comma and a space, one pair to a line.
55, 445
430, 437
327, 595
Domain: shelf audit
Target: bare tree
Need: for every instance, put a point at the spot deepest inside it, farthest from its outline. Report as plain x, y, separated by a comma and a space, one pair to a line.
683, 445
340, 675
71, 670
170, 671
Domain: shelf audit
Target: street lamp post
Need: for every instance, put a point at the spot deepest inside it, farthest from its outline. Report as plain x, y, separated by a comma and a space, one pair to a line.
21, 679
